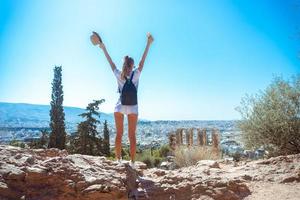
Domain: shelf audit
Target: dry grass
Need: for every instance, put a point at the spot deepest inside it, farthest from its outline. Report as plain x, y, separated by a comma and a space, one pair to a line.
187, 156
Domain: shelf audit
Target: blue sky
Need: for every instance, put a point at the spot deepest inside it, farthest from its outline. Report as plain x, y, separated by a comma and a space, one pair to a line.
206, 55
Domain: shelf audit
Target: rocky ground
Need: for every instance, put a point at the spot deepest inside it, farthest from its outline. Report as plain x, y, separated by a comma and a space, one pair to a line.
52, 174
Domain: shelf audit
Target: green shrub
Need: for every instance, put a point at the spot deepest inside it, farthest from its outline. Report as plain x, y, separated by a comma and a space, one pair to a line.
164, 150
151, 157
237, 156
125, 153
271, 118
156, 162
147, 160
112, 153
17, 143
22, 145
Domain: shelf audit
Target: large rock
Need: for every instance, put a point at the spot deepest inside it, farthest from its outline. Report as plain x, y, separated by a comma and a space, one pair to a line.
168, 165
54, 175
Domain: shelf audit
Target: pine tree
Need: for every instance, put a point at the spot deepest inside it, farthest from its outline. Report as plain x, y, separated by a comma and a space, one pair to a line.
106, 145
89, 140
57, 115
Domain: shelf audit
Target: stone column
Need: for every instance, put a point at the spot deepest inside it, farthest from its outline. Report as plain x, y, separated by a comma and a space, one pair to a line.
215, 139
178, 137
181, 136
191, 136
187, 137
199, 137
205, 139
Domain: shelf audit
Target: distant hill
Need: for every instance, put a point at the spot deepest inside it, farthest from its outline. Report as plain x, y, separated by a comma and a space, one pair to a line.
32, 115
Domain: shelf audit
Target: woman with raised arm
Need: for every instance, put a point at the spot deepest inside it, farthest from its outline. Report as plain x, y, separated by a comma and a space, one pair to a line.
128, 80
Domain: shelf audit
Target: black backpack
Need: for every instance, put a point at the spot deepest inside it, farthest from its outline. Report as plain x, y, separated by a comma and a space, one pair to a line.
129, 92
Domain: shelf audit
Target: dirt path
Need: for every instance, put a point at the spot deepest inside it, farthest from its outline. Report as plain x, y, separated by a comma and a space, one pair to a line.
273, 191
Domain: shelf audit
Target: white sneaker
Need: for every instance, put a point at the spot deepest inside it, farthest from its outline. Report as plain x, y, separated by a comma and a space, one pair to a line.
132, 164
118, 162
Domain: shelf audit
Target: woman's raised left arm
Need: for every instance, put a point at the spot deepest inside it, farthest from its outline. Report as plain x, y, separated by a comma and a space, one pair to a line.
149, 42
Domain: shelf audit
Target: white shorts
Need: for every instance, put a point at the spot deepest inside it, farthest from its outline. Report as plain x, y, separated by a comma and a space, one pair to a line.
126, 109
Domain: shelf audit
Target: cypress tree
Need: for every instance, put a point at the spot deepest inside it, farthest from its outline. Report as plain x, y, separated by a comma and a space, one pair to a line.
106, 145
57, 115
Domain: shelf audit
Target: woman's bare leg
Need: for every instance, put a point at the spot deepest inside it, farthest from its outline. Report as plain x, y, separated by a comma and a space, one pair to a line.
119, 118
132, 120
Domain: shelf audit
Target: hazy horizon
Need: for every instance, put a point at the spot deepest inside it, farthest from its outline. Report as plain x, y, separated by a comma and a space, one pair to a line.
113, 113
205, 57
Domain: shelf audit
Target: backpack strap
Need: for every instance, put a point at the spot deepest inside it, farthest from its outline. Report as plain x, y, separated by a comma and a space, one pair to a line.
131, 76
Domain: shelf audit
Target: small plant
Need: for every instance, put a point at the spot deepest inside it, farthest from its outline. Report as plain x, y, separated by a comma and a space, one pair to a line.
146, 158
164, 150
17, 143
148, 161
125, 153
151, 157
237, 156
156, 162
187, 156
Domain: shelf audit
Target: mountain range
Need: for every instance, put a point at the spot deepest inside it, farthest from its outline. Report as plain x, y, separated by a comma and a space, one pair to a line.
33, 115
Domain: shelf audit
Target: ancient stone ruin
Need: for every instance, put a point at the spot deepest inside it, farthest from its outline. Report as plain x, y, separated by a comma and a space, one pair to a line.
185, 136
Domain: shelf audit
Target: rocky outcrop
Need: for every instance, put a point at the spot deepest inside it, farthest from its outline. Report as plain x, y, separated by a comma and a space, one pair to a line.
52, 174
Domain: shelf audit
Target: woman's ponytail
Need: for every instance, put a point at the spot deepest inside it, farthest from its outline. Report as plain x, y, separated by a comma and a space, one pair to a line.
128, 61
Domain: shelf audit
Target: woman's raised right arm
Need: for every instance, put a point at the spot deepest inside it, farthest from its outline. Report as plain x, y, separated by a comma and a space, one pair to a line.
96, 40
112, 64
